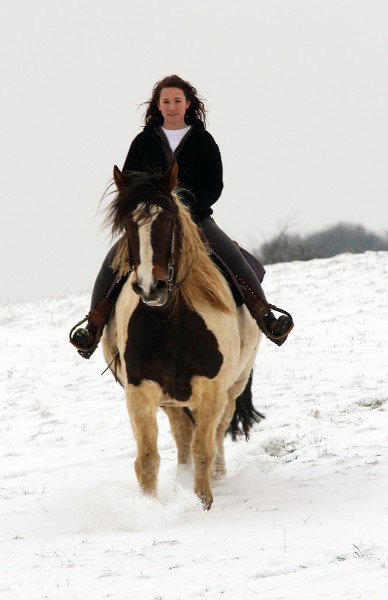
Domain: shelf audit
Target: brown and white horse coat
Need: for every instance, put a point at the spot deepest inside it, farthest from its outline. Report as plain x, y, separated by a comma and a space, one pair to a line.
180, 339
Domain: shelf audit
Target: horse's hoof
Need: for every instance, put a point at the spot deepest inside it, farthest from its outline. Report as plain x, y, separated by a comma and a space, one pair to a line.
218, 474
206, 501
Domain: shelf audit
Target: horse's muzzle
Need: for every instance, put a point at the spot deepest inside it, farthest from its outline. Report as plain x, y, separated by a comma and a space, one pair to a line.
156, 295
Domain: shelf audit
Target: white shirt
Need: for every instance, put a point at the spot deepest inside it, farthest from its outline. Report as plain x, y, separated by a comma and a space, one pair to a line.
175, 136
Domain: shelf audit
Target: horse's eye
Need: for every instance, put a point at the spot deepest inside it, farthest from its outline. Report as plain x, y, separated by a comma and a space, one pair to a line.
169, 222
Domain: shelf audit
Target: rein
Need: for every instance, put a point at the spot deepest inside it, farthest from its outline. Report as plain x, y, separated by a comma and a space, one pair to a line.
114, 360
171, 264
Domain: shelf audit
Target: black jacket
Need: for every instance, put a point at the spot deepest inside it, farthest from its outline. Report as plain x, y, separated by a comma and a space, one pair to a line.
199, 164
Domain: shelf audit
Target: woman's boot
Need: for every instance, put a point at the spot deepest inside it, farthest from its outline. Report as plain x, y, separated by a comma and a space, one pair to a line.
86, 339
276, 329
105, 293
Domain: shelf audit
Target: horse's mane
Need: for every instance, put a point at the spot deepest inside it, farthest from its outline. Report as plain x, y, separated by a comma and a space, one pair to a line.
201, 279
204, 282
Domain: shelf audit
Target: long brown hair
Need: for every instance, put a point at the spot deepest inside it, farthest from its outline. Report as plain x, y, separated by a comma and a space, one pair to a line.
195, 111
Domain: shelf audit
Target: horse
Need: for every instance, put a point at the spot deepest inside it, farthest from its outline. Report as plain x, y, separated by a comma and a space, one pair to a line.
176, 340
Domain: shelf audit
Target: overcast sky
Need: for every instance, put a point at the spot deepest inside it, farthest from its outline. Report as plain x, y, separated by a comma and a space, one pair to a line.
297, 92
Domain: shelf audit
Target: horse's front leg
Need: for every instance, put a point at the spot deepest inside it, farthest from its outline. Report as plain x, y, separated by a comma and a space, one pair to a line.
142, 407
219, 468
207, 417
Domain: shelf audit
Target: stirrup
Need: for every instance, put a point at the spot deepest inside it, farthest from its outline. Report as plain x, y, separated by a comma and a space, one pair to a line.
85, 352
272, 336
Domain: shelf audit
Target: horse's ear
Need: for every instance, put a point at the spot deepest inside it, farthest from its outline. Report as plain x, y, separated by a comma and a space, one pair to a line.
118, 177
169, 179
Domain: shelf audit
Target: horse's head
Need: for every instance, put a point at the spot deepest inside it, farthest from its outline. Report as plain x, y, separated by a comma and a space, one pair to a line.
147, 212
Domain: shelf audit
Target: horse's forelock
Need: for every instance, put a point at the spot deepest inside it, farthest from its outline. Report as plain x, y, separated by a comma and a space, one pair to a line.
139, 189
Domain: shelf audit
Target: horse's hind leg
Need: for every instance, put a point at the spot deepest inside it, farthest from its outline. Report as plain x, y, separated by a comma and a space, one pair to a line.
142, 411
182, 430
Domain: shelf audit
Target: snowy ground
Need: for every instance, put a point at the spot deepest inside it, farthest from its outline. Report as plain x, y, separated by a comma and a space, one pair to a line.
303, 511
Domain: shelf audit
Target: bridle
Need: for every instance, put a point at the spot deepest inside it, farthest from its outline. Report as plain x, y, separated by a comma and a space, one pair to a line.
172, 260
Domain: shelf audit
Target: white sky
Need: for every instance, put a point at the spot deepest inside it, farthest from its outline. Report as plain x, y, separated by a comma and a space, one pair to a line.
296, 90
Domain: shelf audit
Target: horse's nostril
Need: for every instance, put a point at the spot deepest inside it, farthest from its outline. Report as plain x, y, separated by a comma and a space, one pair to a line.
137, 287
160, 285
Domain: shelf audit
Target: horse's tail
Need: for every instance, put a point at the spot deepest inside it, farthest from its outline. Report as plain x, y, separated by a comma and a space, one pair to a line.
245, 414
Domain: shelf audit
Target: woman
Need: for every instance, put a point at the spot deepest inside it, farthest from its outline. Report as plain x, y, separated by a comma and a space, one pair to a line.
175, 130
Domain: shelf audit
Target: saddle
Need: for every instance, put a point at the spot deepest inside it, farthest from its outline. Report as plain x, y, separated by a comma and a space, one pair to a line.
231, 279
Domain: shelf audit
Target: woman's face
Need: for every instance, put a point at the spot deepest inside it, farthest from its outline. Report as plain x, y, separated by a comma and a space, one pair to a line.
173, 105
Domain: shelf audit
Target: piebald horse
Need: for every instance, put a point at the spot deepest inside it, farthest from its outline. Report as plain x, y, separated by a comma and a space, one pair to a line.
176, 337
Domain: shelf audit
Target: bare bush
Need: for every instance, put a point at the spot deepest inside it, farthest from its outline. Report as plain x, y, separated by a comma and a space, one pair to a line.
343, 237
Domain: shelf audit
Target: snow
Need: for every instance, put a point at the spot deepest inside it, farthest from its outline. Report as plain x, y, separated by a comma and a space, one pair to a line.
303, 511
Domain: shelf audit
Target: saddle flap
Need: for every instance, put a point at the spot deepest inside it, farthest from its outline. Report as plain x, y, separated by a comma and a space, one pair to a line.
234, 285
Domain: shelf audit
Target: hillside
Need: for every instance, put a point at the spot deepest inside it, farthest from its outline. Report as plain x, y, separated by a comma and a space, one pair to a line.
303, 511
